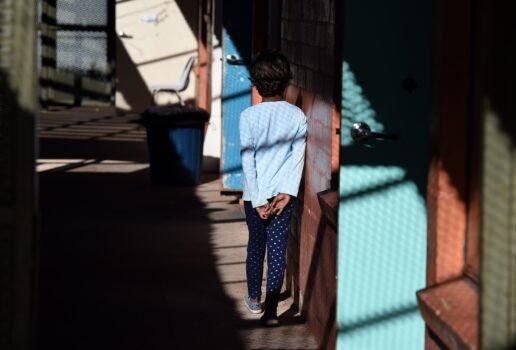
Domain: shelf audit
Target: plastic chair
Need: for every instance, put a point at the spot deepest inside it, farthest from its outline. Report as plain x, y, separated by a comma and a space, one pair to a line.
180, 85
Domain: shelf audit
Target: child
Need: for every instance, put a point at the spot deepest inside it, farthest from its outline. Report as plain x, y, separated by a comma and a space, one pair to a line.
272, 140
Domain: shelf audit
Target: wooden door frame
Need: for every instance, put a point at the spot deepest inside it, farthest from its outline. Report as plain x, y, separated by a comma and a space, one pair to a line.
453, 186
206, 20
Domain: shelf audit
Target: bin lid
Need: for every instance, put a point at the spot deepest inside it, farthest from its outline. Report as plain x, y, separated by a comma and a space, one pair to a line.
174, 115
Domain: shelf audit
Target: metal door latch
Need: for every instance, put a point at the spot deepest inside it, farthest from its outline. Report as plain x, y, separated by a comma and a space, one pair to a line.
361, 132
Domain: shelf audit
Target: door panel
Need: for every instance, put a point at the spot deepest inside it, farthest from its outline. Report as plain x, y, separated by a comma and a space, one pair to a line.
382, 213
236, 91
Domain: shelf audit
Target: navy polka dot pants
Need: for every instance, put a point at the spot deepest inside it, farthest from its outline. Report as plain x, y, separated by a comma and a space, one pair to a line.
271, 234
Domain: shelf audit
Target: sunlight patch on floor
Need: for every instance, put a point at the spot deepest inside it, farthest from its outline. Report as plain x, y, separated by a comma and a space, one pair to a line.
89, 166
111, 166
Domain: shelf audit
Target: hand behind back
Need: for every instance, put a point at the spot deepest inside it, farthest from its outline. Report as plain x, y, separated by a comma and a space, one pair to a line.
276, 207
279, 203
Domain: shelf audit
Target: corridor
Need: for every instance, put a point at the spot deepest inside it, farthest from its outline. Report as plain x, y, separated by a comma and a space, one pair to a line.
124, 265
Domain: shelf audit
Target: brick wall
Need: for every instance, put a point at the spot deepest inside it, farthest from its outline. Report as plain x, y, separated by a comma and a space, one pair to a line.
308, 40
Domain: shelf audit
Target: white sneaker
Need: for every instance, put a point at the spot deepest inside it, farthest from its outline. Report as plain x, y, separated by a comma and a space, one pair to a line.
254, 307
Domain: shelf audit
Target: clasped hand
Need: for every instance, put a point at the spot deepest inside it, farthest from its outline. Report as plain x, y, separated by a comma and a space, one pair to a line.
275, 207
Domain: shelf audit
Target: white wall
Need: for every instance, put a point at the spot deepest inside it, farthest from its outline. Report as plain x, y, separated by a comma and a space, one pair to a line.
161, 43
212, 142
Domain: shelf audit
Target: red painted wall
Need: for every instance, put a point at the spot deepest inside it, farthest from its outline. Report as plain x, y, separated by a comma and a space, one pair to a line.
308, 38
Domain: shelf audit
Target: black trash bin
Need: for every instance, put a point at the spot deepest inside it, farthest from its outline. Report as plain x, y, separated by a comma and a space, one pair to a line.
175, 137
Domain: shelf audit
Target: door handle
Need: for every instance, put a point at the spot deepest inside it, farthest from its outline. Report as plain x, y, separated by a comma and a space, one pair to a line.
234, 60
361, 132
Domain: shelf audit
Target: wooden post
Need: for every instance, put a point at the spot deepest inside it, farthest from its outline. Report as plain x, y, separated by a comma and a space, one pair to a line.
204, 54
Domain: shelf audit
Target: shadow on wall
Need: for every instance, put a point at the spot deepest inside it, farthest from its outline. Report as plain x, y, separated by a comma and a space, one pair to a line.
130, 82
382, 209
501, 74
189, 9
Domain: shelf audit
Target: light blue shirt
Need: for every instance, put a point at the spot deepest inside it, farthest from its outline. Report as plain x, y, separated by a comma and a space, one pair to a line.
272, 145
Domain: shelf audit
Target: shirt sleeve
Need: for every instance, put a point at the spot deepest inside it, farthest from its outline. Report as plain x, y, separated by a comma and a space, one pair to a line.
296, 162
247, 152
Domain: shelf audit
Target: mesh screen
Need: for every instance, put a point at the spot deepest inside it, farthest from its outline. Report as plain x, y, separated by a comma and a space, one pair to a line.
84, 12
39, 10
82, 52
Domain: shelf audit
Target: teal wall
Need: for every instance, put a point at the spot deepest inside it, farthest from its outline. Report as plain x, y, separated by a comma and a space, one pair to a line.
382, 213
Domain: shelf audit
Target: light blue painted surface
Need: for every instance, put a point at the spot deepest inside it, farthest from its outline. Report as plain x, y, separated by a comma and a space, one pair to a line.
382, 211
382, 256
236, 92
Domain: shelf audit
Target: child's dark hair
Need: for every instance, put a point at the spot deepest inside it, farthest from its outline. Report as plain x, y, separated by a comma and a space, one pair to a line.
270, 73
